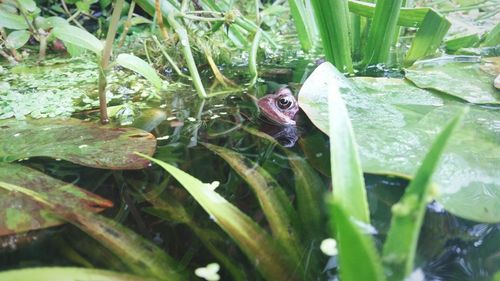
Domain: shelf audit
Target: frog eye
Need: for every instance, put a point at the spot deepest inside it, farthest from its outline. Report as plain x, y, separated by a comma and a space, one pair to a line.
284, 103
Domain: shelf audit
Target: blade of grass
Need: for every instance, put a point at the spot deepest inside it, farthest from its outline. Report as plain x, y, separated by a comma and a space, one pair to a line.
410, 17
308, 188
260, 248
332, 17
428, 38
355, 248
66, 274
272, 199
188, 55
382, 30
252, 58
300, 18
408, 213
347, 175
143, 257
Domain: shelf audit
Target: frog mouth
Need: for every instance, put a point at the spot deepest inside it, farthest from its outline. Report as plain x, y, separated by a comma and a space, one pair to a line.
278, 118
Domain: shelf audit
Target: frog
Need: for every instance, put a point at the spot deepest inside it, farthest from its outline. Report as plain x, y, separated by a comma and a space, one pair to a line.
279, 107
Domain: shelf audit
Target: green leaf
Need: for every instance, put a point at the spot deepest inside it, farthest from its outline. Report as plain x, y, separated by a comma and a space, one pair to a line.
493, 37
303, 25
50, 22
332, 17
347, 176
260, 248
355, 248
465, 41
66, 274
28, 5
12, 21
141, 256
408, 214
429, 37
395, 123
462, 77
17, 39
140, 66
410, 17
381, 33
20, 214
80, 142
78, 37
272, 199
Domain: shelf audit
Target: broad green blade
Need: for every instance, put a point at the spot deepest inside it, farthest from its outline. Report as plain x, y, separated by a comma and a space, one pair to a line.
141, 256
347, 176
410, 17
332, 18
79, 37
272, 199
66, 274
12, 21
465, 41
358, 258
301, 20
408, 213
17, 39
140, 66
382, 30
428, 38
269, 258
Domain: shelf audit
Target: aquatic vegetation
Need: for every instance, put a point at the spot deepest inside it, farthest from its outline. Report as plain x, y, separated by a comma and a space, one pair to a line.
215, 191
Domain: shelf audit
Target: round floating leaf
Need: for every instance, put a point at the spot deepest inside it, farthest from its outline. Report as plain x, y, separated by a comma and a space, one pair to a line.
395, 124
17, 39
462, 77
80, 142
78, 37
19, 213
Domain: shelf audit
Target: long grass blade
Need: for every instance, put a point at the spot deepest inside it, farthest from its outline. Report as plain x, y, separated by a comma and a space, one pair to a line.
382, 30
272, 199
347, 175
300, 17
410, 17
332, 17
141, 256
408, 213
260, 248
355, 248
429, 36
66, 274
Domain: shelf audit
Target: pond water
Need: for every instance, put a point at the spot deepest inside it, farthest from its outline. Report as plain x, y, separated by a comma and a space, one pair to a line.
450, 248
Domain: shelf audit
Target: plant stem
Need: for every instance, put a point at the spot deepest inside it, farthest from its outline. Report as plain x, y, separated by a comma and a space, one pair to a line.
252, 59
159, 20
169, 59
188, 55
106, 53
127, 24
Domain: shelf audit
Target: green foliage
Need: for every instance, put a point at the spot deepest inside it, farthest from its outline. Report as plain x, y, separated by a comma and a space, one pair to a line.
140, 66
403, 120
250, 237
79, 37
66, 274
17, 39
408, 214
332, 17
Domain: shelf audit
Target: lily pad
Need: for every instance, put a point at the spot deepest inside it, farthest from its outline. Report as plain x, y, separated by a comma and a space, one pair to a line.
19, 213
462, 77
80, 142
395, 124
